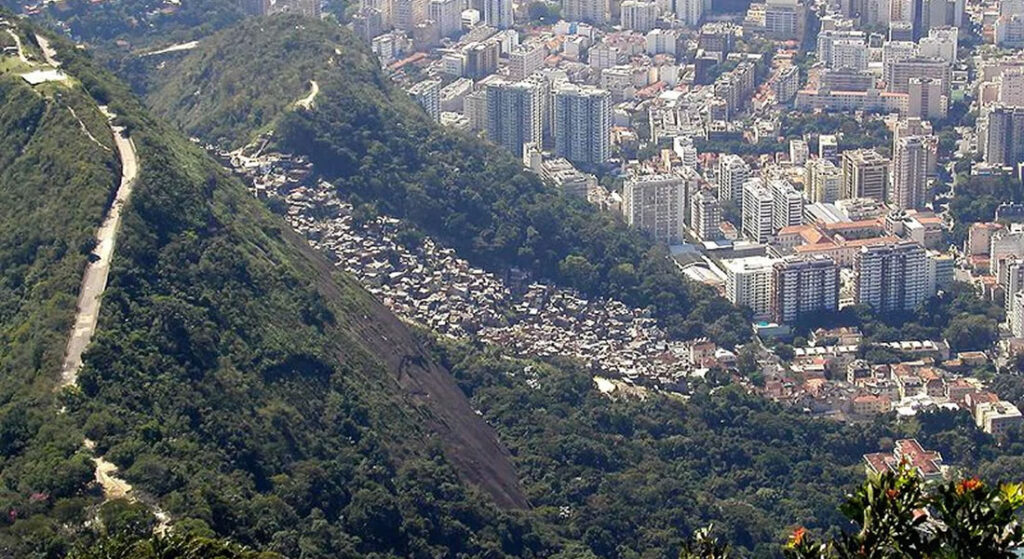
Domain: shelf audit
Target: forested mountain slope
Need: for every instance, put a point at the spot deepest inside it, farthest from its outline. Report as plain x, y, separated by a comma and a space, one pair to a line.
379, 148
235, 377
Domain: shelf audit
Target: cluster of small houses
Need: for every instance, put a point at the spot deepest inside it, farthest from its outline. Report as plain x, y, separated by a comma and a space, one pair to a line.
430, 285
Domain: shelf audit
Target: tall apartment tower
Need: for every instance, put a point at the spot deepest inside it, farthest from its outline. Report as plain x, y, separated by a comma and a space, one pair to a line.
406, 14
654, 203
891, 277
918, 127
824, 181
918, 67
498, 13
690, 12
865, 174
732, 172
583, 124
514, 115
705, 215
428, 94
926, 98
757, 211
803, 285
639, 15
787, 204
1004, 141
590, 11
910, 172
448, 16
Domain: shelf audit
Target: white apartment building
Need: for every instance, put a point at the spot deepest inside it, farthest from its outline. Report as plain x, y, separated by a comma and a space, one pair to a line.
732, 172
654, 203
891, 277
583, 124
757, 211
705, 215
803, 285
748, 283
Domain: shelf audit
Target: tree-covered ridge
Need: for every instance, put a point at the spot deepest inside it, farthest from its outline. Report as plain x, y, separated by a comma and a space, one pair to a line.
214, 94
234, 377
54, 185
374, 143
626, 476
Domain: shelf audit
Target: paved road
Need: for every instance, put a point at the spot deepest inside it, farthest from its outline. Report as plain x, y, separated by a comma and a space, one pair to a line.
94, 281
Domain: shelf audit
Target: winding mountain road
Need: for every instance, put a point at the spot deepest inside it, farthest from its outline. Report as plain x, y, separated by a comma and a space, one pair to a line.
94, 281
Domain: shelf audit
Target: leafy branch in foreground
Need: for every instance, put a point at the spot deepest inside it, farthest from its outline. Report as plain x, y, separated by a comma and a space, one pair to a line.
902, 517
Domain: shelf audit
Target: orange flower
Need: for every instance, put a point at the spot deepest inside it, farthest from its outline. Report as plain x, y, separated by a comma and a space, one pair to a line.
968, 485
798, 536
892, 494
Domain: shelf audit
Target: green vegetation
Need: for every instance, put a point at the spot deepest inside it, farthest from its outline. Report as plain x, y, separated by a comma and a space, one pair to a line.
234, 377
853, 133
957, 315
54, 185
635, 477
976, 199
380, 150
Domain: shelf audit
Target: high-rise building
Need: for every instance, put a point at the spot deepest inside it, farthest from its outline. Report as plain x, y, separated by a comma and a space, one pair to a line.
583, 124
639, 15
1004, 142
408, 13
590, 11
827, 41
940, 43
893, 52
525, 60
802, 285
910, 172
428, 94
828, 148
481, 59
514, 115
705, 215
447, 14
475, 109
748, 283
891, 277
798, 152
1011, 87
939, 13
757, 211
865, 174
654, 203
498, 13
687, 152
918, 127
785, 19
368, 23
918, 67
732, 171
787, 204
690, 12
823, 182
926, 99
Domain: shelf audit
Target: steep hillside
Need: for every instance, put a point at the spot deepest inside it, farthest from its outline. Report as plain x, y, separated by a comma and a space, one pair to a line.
375, 144
235, 378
